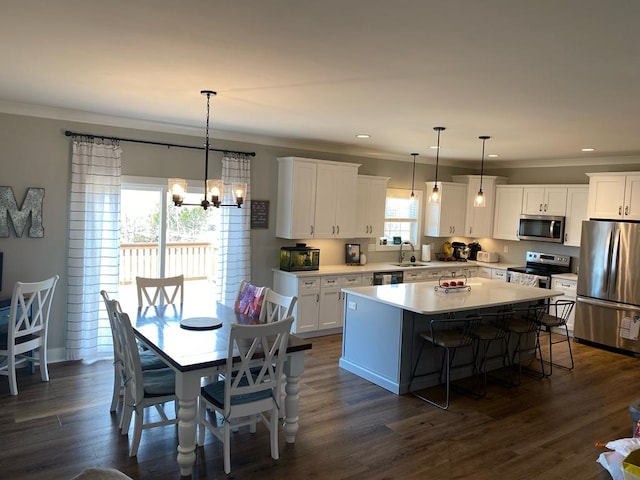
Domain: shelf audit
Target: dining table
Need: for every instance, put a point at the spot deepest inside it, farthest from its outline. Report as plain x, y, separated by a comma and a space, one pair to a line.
194, 342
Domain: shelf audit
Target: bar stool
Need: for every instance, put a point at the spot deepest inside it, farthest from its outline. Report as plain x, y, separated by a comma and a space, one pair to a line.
491, 331
523, 324
451, 335
556, 317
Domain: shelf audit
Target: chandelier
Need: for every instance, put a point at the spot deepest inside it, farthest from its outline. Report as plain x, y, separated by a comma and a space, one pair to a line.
214, 189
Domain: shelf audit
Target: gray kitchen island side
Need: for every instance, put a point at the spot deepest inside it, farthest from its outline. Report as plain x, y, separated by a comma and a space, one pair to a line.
381, 324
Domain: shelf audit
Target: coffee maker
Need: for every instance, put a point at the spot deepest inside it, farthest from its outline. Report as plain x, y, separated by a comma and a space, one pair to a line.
474, 248
460, 251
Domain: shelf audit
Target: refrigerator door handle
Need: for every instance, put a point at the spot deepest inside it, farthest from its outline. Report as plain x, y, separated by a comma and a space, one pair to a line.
607, 263
608, 304
615, 253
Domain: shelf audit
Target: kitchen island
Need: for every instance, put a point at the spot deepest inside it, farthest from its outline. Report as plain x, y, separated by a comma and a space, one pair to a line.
381, 324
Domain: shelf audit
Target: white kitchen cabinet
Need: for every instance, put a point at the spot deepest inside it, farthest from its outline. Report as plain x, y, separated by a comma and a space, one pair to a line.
336, 195
412, 276
316, 198
367, 279
544, 200
372, 197
507, 212
320, 306
307, 307
614, 196
446, 219
431, 275
569, 287
577, 198
479, 221
484, 272
499, 274
296, 198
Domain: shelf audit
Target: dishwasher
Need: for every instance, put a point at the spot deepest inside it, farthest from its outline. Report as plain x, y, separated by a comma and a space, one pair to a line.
386, 278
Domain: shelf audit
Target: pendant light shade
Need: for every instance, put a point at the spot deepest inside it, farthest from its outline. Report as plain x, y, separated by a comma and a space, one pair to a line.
480, 201
434, 197
213, 189
413, 177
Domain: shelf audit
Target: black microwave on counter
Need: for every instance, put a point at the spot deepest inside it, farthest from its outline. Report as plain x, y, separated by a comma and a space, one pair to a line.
299, 258
543, 228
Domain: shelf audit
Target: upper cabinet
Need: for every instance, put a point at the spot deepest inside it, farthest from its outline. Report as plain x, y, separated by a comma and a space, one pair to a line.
479, 221
316, 198
576, 212
507, 211
544, 200
446, 219
614, 196
372, 197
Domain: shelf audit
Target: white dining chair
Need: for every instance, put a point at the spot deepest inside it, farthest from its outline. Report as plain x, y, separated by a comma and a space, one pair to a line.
276, 306
148, 359
250, 386
160, 291
27, 329
144, 389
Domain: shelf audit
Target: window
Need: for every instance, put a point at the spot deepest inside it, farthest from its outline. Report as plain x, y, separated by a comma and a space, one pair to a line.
402, 216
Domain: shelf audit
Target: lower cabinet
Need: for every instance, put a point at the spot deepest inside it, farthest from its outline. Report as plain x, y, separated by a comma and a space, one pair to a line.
569, 287
320, 305
499, 274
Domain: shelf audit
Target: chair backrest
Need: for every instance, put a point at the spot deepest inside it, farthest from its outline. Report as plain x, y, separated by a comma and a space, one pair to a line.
257, 377
112, 306
250, 299
29, 314
276, 307
134, 381
561, 309
160, 291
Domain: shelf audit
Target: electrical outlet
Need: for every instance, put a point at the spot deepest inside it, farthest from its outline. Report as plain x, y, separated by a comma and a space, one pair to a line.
505, 249
353, 306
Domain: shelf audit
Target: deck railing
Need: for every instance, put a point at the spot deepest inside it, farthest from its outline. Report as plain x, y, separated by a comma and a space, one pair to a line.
196, 261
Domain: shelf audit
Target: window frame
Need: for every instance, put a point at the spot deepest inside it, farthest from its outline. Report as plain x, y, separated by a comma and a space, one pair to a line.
393, 192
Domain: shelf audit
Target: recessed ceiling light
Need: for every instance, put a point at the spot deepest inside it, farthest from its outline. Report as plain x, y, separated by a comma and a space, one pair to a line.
363, 135
493, 155
434, 147
588, 149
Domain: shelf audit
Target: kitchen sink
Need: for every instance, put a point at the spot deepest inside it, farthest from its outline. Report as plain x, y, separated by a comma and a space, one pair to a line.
410, 264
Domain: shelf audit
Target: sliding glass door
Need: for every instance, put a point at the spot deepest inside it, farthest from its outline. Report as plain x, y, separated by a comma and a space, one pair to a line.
159, 239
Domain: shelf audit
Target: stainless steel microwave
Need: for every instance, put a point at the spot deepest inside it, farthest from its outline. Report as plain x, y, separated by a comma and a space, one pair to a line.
543, 228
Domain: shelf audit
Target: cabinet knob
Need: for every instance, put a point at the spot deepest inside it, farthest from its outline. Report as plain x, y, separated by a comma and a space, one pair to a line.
540, 208
338, 230
620, 210
545, 207
626, 210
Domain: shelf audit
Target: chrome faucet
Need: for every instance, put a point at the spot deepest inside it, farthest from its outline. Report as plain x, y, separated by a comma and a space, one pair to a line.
402, 253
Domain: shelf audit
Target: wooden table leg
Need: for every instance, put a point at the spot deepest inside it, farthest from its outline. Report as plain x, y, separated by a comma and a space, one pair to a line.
187, 390
293, 368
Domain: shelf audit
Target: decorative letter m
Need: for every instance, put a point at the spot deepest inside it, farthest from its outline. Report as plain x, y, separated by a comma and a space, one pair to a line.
31, 207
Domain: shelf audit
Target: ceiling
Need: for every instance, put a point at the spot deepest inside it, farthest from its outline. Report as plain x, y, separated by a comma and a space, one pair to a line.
543, 78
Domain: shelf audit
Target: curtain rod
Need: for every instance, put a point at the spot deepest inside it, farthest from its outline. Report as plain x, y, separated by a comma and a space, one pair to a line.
149, 142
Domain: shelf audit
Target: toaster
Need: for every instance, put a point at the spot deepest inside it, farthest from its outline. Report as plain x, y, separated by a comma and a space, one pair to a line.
488, 257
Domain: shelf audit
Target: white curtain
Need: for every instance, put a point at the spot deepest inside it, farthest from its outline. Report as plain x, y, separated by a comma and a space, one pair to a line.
234, 248
94, 246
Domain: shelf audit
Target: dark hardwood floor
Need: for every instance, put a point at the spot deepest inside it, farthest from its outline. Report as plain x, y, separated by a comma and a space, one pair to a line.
349, 428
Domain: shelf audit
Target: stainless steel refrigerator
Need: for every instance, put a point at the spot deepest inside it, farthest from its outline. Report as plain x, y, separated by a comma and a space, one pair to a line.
608, 303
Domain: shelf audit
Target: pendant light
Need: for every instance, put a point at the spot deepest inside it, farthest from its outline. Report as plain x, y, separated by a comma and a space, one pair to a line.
213, 189
435, 193
413, 177
480, 200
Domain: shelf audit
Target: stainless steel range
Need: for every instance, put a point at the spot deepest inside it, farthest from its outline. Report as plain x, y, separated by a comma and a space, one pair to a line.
539, 268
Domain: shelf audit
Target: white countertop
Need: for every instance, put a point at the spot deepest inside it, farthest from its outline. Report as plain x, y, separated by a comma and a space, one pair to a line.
343, 269
423, 299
